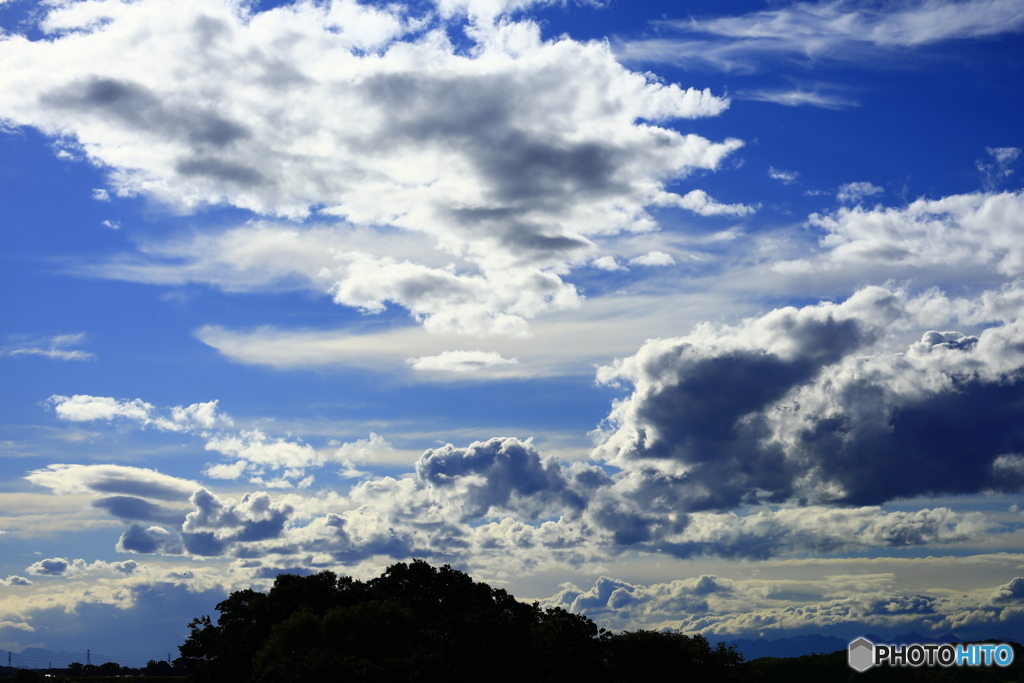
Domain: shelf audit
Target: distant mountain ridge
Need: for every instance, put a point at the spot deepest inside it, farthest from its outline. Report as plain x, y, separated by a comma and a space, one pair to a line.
796, 646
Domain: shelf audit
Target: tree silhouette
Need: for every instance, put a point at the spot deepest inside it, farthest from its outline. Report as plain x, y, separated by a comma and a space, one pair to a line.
416, 622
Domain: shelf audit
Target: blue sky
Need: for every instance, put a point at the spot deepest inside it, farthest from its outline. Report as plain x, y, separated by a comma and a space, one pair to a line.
679, 316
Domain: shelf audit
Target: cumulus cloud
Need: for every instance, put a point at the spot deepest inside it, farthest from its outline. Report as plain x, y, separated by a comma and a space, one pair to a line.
59, 566
214, 523
372, 449
653, 258
84, 408
259, 450
55, 347
607, 263
799, 404
718, 606
818, 31
485, 10
829, 603
148, 540
15, 580
699, 202
619, 603
252, 451
499, 475
508, 157
819, 530
55, 566
980, 230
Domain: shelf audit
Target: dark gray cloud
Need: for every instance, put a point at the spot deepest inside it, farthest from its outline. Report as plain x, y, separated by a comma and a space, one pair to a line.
799, 405
136, 106
698, 415
219, 169
131, 508
501, 473
214, 524
1011, 592
54, 566
15, 580
138, 539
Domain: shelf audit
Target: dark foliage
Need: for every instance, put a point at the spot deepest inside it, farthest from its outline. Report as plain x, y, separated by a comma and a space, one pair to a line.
419, 623
833, 667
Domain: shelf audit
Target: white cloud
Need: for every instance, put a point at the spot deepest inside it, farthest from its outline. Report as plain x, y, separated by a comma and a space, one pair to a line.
373, 449
564, 343
979, 231
257, 449
998, 169
854, 192
607, 263
818, 31
20, 625
65, 479
486, 10
51, 347
786, 177
653, 258
699, 202
507, 157
251, 451
81, 408
100, 195
85, 408
798, 98
459, 361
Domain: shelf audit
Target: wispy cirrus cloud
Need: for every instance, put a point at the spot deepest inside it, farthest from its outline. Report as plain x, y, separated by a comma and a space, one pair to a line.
799, 98
55, 347
806, 32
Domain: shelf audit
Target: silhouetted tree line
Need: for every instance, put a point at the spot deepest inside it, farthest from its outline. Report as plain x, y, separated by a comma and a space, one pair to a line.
419, 623
102, 672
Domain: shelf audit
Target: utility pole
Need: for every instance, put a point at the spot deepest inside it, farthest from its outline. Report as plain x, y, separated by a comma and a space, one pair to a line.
88, 657
168, 657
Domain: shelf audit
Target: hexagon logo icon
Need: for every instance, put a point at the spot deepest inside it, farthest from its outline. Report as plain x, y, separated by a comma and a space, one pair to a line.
861, 654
